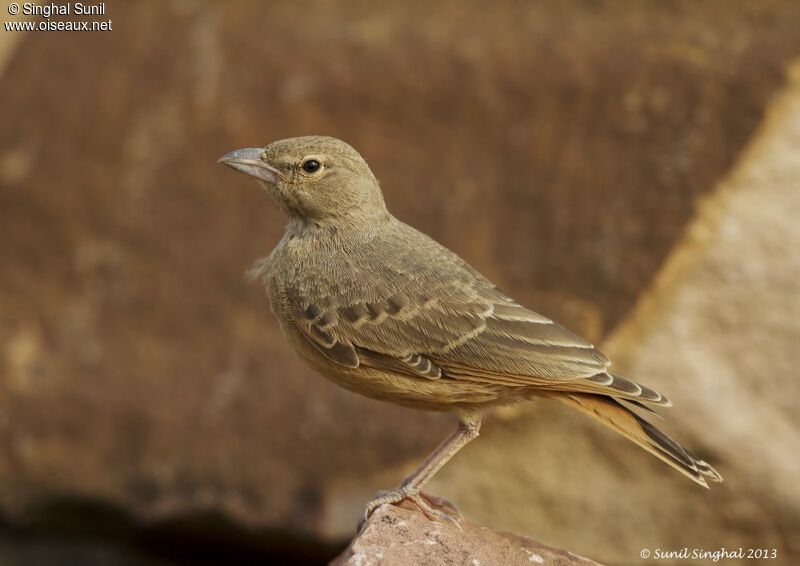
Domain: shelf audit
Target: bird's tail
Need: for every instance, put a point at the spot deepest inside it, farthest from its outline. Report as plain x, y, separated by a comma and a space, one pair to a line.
617, 417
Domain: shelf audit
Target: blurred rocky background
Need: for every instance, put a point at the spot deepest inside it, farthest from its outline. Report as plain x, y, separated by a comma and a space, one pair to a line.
629, 168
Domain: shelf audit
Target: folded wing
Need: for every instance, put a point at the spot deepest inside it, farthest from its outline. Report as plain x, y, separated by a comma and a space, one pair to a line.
405, 317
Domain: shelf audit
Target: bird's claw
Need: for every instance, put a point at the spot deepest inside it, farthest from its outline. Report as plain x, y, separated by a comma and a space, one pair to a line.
431, 505
441, 503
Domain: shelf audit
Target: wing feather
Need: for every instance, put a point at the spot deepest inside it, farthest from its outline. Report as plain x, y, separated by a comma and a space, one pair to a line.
404, 316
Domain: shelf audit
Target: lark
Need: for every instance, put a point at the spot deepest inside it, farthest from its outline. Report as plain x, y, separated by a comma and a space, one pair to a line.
385, 311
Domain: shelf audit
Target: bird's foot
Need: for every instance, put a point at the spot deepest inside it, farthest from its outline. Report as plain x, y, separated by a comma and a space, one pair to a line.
442, 504
433, 506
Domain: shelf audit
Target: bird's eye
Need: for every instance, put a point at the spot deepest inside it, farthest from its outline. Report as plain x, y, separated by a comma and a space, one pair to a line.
311, 165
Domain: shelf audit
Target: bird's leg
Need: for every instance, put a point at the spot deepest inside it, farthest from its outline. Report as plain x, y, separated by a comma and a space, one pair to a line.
411, 487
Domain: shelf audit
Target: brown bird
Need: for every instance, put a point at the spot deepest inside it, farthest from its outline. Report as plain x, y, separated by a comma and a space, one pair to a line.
386, 311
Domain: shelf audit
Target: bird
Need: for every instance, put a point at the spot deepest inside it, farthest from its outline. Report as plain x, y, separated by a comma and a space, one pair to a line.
386, 311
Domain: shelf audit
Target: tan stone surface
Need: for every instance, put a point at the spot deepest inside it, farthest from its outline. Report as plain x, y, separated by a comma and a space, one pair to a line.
718, 333
396, 536
726, 308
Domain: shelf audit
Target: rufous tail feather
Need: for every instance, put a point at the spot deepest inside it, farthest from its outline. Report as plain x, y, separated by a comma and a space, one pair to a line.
633, 427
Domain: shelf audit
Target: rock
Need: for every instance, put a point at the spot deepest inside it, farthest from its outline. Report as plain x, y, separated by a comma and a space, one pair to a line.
397, 536
718, 334
733, 361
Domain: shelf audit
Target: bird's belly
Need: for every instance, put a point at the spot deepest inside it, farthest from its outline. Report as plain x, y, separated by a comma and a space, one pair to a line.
443, 394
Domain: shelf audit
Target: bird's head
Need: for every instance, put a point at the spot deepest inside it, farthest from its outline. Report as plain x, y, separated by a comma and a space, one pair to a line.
314, 178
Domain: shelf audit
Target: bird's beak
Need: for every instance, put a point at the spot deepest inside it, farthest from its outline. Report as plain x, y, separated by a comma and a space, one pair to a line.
249, 162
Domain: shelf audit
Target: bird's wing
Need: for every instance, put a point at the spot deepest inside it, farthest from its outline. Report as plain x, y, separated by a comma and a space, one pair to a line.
395, 323
431, 315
